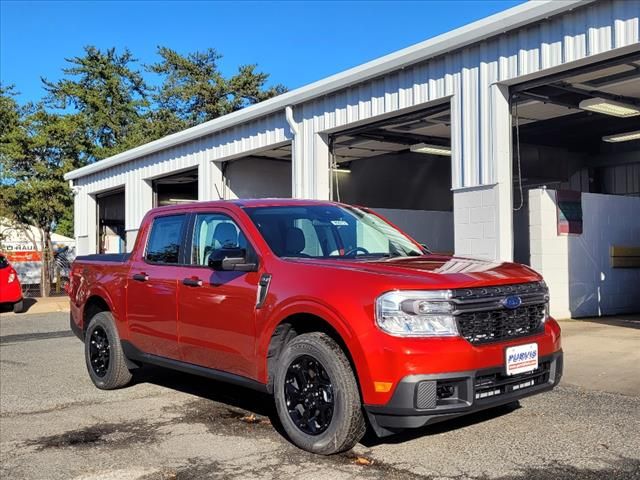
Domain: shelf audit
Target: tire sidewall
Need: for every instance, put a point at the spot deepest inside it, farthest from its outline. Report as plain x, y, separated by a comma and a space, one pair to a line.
336, 432
104, 320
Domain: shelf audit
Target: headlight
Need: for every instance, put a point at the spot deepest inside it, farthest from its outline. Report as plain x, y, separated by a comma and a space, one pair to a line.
546, 300
416, 313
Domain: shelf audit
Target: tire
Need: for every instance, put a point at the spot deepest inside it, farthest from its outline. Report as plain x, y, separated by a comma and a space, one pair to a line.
18, 307
112, 373
346, 424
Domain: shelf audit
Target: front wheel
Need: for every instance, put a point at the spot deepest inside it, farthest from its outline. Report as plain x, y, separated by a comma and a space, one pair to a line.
317, 395
103, 353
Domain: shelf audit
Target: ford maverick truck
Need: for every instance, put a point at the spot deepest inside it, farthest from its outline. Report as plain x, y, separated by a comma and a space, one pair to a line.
342, 317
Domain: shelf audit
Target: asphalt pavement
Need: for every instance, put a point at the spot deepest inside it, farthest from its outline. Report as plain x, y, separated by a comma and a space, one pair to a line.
54, 424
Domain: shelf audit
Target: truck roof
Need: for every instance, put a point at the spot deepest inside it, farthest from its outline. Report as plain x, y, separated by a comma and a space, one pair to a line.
250, 202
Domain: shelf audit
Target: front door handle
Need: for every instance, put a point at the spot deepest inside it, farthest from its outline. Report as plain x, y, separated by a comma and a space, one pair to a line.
192, 282
140, 277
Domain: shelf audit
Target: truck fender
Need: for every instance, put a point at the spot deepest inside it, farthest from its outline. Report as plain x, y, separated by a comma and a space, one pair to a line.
98, 291
327, 314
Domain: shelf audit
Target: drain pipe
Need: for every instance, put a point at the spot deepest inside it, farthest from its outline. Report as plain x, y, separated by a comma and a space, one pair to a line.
293, 126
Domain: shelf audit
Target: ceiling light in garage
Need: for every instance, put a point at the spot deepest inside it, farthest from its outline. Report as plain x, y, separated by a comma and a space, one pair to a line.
609, 107
622, 137
431, 149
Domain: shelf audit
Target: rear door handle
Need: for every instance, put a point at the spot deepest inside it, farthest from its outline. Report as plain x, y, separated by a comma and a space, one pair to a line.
140, 277
192, 282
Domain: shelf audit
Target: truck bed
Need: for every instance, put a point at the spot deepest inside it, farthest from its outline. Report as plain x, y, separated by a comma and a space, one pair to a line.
104, 257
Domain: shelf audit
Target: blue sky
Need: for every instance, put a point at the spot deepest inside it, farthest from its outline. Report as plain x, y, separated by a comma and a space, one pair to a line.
296, 42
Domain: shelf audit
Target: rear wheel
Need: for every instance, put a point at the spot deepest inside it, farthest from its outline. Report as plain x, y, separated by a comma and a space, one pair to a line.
103, 352
317, 395
18, 307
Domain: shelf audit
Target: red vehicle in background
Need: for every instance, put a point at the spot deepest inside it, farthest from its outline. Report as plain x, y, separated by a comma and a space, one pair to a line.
343, 318
10, 289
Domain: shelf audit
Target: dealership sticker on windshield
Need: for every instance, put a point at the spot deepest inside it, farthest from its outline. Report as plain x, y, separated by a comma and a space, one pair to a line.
522, 358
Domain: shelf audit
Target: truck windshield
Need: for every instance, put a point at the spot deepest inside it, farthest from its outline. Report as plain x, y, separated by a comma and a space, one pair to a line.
329, 231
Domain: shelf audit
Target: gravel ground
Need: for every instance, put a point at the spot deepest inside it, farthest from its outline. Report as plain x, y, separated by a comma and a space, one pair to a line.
54, 424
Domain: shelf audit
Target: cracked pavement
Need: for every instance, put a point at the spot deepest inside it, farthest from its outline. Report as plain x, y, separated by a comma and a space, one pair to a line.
55, 424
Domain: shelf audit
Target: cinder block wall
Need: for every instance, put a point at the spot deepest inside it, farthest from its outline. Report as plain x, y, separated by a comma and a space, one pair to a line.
577, 267
549, 252
474, 213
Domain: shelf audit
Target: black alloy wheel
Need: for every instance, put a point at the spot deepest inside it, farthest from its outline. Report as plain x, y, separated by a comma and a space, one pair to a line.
317, 396
308, 394
99, 351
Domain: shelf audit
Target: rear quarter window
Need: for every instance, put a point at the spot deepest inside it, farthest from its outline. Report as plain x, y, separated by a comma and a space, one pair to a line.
165, 239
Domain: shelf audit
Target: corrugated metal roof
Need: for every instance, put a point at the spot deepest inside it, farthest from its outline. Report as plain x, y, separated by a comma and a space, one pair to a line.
513, 18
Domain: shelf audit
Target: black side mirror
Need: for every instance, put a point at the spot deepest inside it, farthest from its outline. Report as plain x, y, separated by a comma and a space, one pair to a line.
231, 259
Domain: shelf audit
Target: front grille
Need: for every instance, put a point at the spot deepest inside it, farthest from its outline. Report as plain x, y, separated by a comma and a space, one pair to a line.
503, 324
489, 386
482, 317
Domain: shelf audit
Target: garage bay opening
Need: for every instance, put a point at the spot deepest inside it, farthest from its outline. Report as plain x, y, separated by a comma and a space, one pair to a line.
176, 189
112, 237
401, 167
264, 174
576, 194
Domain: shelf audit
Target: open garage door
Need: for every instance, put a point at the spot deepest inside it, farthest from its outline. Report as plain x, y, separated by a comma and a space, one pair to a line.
401, 167
112, 237
176, 189
576, 192
264, 174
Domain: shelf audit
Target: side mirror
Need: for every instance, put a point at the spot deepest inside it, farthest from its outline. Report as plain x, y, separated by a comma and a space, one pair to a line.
425, 248
231, 259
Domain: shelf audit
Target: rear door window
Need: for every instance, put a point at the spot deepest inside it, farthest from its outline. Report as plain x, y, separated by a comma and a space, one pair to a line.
165, 239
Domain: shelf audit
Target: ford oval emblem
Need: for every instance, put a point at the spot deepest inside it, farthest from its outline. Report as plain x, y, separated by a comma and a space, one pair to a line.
512, 301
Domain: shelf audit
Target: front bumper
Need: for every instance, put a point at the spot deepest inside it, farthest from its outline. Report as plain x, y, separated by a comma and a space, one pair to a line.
424, 399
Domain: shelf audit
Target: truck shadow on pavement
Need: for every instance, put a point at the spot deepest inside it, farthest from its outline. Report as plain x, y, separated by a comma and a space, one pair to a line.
232, 396
372, 440
261, 404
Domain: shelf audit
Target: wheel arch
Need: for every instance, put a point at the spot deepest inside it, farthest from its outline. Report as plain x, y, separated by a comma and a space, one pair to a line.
306, 319
95, 304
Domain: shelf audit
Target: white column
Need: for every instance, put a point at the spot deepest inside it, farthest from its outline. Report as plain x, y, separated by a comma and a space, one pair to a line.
297, 166
297, 178
321, 188
483, 215
138, 200
210, 180
550, 251
500, 142
92, 224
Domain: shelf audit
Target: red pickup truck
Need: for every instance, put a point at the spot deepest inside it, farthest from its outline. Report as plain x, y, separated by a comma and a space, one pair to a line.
333, 310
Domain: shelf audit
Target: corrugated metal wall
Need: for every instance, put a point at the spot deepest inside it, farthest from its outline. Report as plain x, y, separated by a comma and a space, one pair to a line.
136, 176
465, 77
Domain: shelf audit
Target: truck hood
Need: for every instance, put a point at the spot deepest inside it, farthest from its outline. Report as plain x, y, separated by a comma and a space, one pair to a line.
455, 272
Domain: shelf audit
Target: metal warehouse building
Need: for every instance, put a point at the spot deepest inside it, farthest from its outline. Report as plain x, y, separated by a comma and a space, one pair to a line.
513, 138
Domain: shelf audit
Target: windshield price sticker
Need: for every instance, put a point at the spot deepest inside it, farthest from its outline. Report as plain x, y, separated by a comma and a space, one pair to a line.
522, 358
